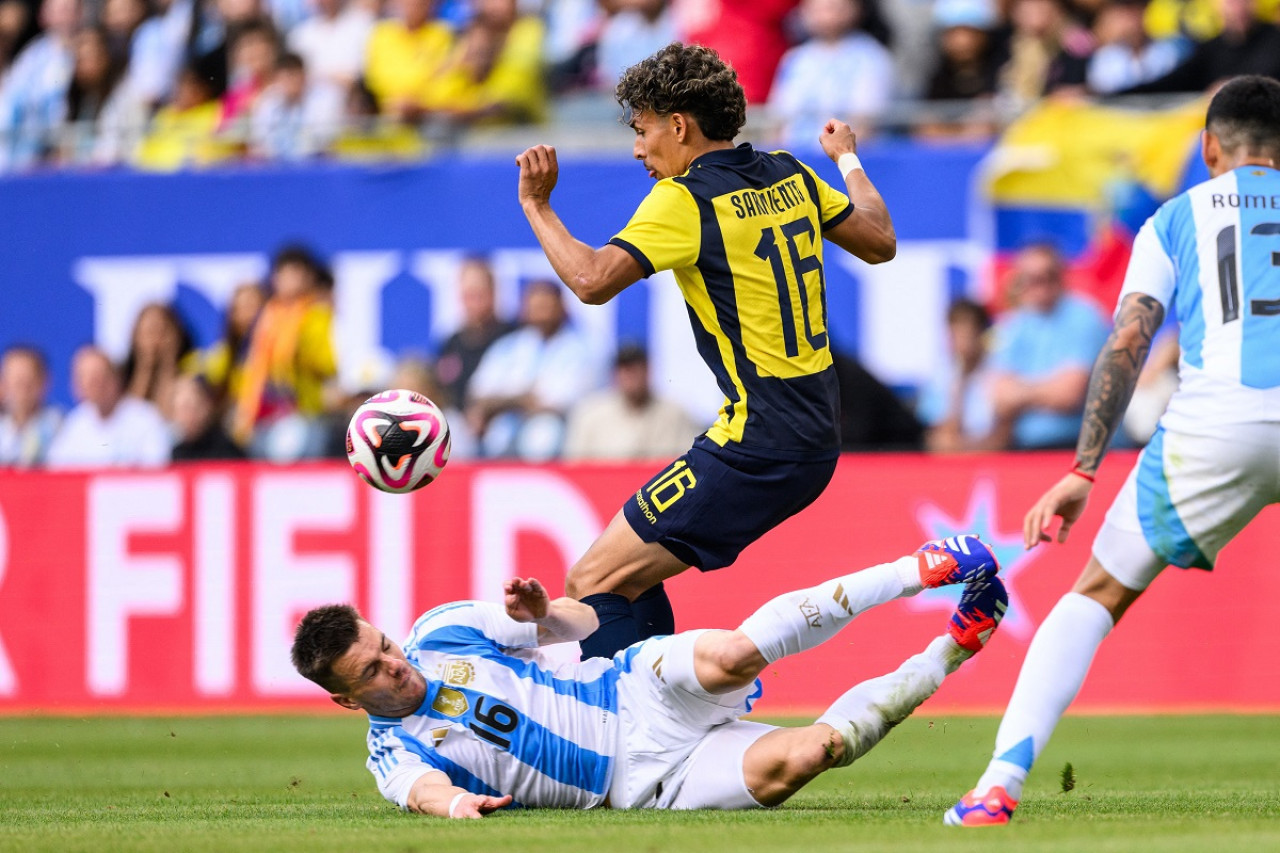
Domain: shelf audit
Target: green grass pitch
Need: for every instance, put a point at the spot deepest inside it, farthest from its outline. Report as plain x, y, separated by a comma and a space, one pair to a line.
1168, 783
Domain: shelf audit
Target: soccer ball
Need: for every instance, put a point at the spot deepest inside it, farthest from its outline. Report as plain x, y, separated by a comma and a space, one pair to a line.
398, 441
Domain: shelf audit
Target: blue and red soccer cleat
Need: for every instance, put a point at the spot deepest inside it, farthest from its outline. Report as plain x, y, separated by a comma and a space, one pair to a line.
956, 559
981, 607
993, 809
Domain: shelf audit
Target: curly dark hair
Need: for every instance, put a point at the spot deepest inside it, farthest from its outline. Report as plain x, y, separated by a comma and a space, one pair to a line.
686, 79
323, 636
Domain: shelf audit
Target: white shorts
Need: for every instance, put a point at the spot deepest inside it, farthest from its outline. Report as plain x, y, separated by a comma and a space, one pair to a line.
680, 746
1187, 497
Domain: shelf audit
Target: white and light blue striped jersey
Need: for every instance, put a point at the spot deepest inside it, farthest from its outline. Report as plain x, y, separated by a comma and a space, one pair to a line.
1212, 257
498, 718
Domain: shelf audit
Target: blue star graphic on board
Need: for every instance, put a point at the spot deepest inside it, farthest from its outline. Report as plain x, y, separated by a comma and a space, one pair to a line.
980, 518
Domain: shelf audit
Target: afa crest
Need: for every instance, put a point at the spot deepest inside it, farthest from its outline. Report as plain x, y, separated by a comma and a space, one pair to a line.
811, 613
459, 673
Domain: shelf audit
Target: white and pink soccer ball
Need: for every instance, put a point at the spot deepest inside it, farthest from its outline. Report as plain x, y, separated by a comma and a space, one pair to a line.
398, 441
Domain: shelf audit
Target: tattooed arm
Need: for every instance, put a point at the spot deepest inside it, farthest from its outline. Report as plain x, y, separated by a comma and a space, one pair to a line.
1111, 384
1115, 374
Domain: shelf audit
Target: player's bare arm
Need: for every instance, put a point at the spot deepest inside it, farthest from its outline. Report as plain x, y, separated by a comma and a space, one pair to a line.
868, 232
594, 275
563, 620
1115, 374
433, 794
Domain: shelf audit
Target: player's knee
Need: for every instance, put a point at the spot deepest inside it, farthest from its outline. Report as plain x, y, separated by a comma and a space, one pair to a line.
1100, 585
588, 577
833, 747
617, 562
576, 585
727, 660
812, 755
785, 760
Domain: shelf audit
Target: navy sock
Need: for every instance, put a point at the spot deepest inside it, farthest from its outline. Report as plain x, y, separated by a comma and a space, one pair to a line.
654, 617
617, 625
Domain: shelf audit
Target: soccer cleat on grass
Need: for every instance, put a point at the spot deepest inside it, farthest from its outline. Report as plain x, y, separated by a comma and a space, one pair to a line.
993, 809
981, 607
956, 559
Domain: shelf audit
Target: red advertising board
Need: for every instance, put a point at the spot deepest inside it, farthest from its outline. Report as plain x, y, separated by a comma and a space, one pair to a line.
179, 589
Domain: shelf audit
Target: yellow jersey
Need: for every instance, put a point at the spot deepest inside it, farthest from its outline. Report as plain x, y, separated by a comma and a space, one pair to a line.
742, 232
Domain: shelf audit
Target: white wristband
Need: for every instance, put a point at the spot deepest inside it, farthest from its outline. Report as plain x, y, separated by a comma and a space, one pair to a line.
848, 163
453, 804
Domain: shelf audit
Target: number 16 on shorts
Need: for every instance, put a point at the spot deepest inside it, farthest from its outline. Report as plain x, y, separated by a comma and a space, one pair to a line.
666, 489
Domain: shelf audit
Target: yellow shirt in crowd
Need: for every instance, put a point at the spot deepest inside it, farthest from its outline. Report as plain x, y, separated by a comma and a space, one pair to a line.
514, 83
1198, 19
180, 138
400, 63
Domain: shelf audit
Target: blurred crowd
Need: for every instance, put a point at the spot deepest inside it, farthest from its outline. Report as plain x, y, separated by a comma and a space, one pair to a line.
166, 84
1018, 380
532, 387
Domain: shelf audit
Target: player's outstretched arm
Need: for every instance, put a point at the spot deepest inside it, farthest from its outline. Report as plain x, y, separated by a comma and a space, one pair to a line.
1111, 384
433, 794
868, 232
563, 620
594, 275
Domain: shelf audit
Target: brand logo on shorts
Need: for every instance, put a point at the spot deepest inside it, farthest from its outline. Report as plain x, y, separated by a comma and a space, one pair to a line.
644, 507
450, 702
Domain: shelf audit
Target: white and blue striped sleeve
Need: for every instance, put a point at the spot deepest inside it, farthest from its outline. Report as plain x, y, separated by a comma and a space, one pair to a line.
394, 765
462, 624
1151, 269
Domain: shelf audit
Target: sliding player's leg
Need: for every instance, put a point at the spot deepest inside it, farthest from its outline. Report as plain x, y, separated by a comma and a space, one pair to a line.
802, 619
741, 767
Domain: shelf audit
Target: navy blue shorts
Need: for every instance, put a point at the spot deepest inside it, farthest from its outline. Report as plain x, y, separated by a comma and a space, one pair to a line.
714, 501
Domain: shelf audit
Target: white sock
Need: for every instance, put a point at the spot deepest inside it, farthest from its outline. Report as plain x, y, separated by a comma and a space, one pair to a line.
866, 713
1057, 662
795, 621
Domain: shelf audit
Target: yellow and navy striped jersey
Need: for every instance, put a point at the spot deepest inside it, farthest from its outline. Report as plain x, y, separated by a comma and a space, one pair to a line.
742, 231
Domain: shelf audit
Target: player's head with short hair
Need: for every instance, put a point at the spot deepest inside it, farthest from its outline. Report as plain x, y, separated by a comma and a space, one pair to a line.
324, 635
687, 79
1245, 117
361, 669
